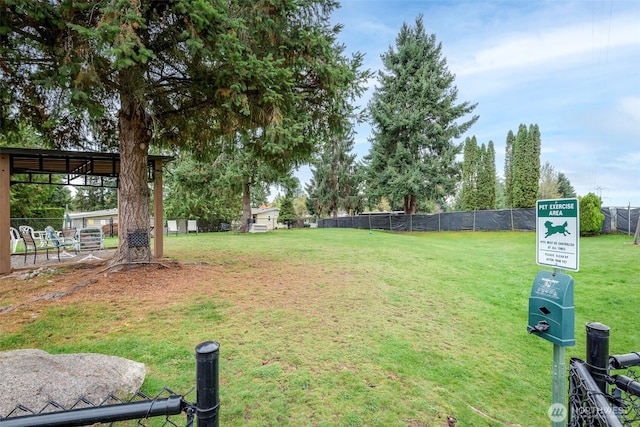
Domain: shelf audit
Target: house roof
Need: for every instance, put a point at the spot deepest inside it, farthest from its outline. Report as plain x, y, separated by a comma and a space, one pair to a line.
93, 214
256, 211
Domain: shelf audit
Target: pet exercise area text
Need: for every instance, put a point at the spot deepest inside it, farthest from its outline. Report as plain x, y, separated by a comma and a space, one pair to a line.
556, 209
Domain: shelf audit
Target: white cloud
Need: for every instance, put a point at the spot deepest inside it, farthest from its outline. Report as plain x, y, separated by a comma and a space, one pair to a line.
556, 47
630, 106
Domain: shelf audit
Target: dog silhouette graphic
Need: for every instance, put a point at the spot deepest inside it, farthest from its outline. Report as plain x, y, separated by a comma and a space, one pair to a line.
555, 229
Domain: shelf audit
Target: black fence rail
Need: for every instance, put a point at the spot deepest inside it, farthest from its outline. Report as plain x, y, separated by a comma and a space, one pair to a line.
140, 407
598, 396
617, 220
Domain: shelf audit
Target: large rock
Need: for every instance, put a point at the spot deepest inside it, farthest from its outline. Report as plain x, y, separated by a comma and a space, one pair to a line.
33, 378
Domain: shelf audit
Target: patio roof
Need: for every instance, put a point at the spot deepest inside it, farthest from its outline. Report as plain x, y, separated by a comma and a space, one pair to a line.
73, 164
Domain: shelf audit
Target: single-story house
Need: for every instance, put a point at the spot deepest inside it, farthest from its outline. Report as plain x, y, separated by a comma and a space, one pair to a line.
89, 219
267, 216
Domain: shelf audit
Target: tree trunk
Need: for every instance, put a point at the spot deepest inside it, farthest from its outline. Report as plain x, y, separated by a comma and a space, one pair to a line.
133, 189
410, 204
246, 208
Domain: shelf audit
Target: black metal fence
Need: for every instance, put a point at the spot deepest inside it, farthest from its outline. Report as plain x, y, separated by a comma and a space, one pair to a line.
617, 220
598, 396
140, 407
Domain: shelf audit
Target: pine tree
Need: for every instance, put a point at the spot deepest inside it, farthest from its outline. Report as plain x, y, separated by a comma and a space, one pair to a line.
335, 183
414, 116
565, 189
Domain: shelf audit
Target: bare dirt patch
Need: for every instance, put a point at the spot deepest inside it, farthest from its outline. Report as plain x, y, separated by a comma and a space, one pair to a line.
245, 283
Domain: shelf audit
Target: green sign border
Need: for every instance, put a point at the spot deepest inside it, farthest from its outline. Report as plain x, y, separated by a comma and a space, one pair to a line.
559, 206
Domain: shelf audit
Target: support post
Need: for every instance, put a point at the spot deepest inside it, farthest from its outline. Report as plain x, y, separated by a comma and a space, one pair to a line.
598, 353
207, 380
158, 219
5, 214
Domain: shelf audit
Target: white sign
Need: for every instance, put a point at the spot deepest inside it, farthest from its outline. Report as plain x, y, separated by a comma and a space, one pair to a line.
558, 233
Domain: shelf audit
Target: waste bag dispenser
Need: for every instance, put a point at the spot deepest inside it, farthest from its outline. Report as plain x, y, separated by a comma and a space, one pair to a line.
551, 310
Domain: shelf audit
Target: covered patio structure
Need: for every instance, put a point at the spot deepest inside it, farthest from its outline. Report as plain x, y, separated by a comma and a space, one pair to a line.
73, 164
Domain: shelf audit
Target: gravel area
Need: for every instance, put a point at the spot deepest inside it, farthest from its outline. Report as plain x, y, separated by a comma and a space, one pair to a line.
18, 260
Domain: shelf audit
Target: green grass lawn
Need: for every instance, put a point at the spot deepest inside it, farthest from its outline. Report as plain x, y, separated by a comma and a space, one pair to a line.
388, 329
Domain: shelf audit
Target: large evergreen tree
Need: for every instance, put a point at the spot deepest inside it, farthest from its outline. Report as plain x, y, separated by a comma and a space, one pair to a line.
171, 74
525, 167
414, 116
478, 176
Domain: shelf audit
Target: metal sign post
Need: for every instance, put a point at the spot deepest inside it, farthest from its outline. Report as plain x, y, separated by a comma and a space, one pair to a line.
557, 246
558, 411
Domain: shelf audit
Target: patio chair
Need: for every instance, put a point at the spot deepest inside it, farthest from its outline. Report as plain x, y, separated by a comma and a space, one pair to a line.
32, 244
25, 228
38, 236
58, 242
172, 226
69, 239
192, 225
15, 239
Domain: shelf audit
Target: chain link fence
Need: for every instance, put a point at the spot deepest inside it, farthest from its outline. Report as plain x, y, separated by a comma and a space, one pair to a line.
616, 220
604, 391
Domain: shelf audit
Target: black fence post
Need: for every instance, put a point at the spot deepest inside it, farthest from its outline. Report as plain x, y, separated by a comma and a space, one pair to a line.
598, 353
207, 380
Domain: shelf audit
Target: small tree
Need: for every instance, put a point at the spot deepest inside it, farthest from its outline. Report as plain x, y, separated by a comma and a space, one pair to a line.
591, 219
548, 188
287, 214
564, 187
334, 185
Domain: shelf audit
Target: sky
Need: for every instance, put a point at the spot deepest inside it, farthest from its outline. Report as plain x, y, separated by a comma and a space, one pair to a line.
571, 67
